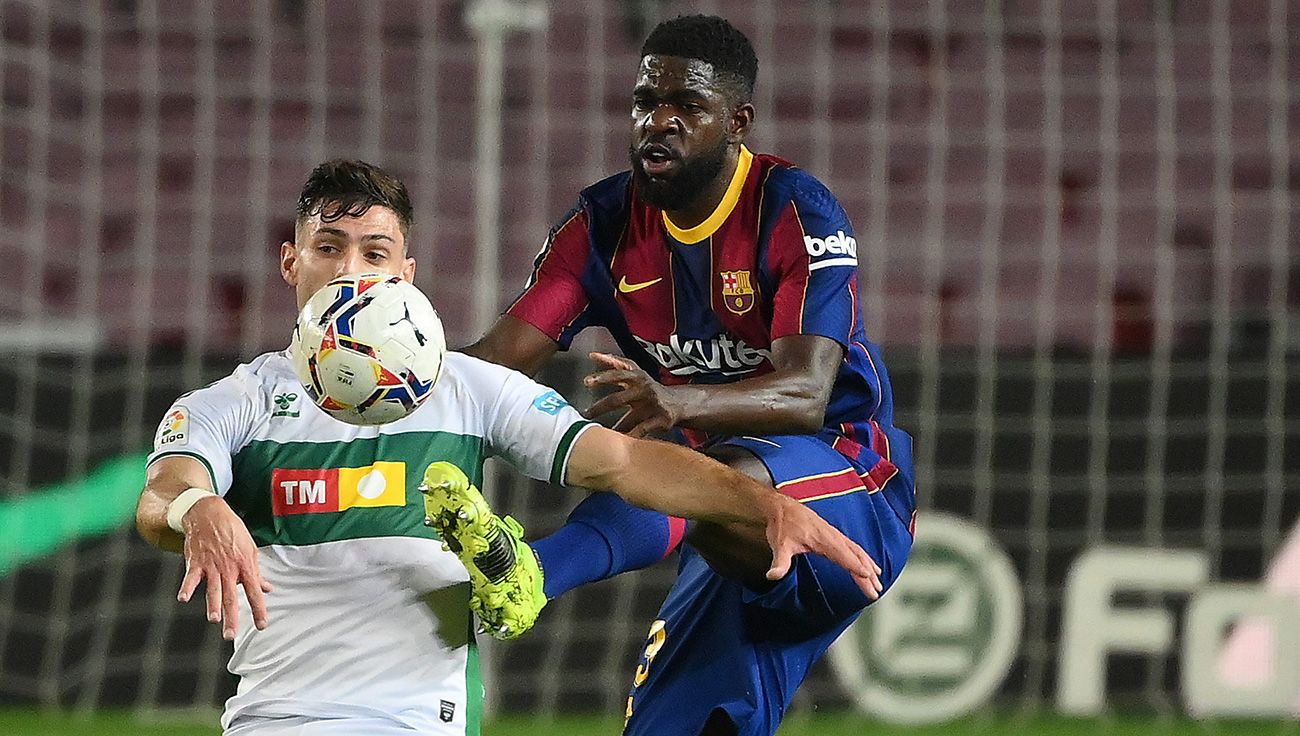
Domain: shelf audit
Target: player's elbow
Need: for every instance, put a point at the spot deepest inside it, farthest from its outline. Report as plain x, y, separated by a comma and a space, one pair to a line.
150, 518
621, 468
805, 407
807, 422
632, 467
602, 459
142, 522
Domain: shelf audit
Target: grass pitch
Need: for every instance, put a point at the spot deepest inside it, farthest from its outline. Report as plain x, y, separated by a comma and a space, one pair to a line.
34, 723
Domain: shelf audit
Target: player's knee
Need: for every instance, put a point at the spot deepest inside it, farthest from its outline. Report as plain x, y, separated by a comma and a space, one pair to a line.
843, 595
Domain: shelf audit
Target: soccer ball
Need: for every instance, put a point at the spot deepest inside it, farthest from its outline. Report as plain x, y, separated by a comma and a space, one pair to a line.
368, 348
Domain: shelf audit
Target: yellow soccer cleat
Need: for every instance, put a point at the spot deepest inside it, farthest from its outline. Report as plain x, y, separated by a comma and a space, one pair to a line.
504, 574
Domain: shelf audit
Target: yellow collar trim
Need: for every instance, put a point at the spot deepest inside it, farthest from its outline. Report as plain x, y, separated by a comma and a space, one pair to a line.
714, 221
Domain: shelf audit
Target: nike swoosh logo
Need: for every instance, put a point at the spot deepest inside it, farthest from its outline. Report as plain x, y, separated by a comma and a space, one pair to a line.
627, 288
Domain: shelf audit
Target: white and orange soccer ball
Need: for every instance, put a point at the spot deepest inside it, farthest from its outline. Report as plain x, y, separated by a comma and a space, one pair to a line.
368, 348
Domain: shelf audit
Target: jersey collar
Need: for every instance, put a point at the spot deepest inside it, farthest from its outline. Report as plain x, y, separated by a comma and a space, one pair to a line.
714, 221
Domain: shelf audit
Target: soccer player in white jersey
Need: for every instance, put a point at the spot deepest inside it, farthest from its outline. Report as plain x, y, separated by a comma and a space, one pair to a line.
353, 619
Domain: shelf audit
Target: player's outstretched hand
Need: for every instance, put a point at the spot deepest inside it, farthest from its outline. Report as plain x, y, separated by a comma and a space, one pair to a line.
220, 551
651, 406
793, 528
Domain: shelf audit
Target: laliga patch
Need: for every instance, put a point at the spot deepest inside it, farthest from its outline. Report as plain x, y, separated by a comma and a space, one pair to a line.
175, 428
550, 402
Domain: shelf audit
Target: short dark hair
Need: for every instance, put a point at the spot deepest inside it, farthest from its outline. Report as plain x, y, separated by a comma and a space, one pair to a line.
348, 188
710, 39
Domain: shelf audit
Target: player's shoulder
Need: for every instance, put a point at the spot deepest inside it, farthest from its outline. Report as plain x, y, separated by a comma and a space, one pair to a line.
605, 208
250, 384
466, 378
785, 183
463, 369
610, 194
599, 206
485, 383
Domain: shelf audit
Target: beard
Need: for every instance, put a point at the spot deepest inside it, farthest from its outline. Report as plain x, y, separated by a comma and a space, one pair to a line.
691, 178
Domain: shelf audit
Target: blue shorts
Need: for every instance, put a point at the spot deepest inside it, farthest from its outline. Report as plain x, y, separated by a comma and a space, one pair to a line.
723, 651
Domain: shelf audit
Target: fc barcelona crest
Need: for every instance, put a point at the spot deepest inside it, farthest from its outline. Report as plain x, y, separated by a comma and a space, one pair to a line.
737, 291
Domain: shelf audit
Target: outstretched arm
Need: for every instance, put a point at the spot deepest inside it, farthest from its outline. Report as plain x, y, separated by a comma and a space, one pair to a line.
680, 482
789, 400
217, 546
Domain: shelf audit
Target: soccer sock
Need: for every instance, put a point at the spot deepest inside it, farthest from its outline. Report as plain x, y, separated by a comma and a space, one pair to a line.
603, 537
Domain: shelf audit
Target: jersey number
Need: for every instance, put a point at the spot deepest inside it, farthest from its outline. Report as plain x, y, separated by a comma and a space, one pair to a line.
653, 643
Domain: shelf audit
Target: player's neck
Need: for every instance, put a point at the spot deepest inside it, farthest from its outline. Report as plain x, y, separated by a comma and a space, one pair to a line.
710, 197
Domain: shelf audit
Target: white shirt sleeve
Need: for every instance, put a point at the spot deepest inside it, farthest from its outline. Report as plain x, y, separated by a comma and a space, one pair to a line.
529, 425
208, 425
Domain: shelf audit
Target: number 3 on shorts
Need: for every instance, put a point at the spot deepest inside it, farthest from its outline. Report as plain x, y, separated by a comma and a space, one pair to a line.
653, 643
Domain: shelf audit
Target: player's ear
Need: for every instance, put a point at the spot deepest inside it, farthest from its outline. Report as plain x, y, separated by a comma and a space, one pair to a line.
408, 270
289, 263
742, 120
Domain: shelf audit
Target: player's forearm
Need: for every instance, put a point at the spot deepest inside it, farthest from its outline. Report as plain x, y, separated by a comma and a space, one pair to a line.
680, 482
165, 479
777, 403
790, 400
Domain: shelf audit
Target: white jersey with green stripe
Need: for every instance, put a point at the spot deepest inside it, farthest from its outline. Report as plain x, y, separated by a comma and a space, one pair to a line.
369, 617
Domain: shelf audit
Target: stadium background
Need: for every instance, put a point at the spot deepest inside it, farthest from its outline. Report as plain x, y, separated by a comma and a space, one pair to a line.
1074, 221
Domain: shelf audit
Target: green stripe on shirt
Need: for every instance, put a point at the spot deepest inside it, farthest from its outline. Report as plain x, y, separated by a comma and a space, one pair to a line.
561, 462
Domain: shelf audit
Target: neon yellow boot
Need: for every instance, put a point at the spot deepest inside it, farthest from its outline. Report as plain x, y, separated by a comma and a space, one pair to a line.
504, 575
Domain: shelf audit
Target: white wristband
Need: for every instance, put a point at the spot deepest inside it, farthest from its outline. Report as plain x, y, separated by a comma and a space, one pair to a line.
181, 504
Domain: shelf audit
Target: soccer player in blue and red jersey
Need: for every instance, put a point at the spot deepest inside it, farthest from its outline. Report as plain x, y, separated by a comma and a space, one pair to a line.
730, 282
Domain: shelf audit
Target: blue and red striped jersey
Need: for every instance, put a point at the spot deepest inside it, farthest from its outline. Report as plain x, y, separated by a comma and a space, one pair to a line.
703, 305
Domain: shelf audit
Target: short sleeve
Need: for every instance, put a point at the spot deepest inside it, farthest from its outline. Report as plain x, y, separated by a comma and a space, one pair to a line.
813, 256
208, 425
554, 300
527, 424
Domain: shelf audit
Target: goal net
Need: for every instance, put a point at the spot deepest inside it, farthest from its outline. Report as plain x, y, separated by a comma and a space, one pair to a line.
1077, 251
